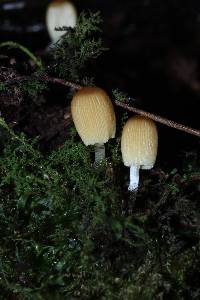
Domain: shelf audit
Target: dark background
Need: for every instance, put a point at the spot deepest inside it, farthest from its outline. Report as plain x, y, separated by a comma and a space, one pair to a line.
154, 56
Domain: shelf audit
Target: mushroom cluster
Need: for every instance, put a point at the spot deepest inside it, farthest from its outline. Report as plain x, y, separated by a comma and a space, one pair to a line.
60, 13
94, 118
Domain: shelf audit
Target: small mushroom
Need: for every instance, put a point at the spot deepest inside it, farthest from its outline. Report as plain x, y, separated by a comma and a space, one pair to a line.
139, 147
60, 13
94, 118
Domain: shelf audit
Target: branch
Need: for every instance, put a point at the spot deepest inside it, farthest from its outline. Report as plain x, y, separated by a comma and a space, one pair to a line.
138, 111
11, 44
154, 117
62, 82
159, 119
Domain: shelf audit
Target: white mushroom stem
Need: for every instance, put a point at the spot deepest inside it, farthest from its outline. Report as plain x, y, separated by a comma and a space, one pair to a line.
99, 152
134, 178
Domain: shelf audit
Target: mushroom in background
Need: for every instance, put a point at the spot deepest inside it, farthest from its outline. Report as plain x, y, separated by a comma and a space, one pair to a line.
94, 118
60, 13
139, 147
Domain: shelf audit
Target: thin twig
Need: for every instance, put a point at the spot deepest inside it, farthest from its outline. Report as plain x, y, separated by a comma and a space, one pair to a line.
43, 78
63, 82
12, 44
154, 117
159, 119
138, 111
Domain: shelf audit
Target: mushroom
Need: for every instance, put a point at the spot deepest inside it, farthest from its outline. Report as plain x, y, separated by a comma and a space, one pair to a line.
94, 118
60, 13
139, 147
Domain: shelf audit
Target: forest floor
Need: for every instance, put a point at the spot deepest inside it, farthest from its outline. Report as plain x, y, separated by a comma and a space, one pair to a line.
72, 231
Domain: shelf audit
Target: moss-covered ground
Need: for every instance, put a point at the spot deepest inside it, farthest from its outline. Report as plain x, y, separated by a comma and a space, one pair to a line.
66, 232
69, 230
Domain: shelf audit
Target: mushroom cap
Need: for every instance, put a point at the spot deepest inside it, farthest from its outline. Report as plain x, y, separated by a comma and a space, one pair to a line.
60, 13
93, 115
139, 142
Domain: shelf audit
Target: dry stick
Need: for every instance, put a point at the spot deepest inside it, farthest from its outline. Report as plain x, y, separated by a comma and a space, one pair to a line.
63, 82
159, 119
156, 118
45, 78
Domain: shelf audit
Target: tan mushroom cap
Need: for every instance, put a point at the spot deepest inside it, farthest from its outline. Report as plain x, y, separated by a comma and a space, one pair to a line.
60, 13
139, 142
93, 115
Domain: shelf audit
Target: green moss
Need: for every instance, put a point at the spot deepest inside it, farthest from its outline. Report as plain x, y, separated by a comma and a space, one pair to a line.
2, 86
32, 87
65, 235
68, 59
78, 47
118, 95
